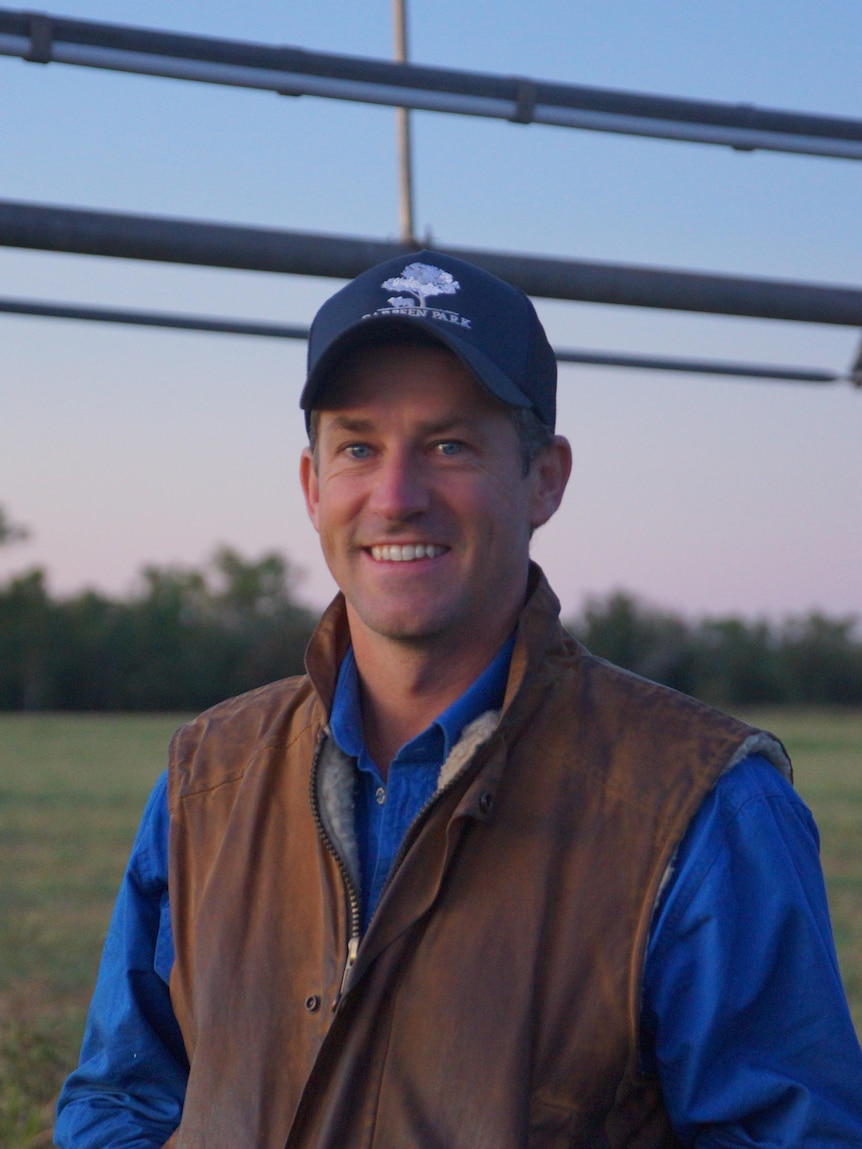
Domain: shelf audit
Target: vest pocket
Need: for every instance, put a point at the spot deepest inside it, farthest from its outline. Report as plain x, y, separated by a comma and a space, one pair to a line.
558, 1126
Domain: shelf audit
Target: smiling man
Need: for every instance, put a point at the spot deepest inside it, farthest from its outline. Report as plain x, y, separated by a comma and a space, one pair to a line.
424, 509
462, 885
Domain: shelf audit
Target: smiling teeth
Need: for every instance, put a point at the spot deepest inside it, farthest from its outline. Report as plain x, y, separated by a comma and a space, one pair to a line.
393, 553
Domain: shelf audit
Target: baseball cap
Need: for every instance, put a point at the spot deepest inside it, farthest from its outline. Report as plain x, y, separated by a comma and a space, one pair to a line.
490, 325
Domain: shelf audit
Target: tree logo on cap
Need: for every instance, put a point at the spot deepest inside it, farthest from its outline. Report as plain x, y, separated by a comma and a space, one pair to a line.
421, 280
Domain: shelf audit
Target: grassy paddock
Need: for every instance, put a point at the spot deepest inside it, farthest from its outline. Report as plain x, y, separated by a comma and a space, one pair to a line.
72, 788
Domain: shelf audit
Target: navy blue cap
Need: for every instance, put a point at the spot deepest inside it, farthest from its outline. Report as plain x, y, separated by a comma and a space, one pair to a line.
491, 326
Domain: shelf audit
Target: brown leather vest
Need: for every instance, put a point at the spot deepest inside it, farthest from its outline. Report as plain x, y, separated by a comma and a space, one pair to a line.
495, 998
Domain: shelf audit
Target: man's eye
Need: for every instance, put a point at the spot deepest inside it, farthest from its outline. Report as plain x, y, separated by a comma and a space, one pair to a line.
450, 447
358, 450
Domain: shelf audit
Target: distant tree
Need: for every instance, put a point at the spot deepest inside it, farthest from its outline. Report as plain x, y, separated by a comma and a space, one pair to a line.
91, 659
648, 641
823, 659
11, 532
192, 637
26, 644
738, 662
728, 661
186, 639
255, 603
252, 589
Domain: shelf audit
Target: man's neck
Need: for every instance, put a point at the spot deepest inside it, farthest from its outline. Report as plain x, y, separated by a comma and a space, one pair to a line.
405, 687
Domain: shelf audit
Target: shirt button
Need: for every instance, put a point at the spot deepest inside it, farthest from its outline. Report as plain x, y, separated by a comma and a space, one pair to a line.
380, 795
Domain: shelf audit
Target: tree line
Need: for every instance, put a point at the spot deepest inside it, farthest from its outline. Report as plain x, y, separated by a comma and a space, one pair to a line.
184, 640
806, 660
190, 637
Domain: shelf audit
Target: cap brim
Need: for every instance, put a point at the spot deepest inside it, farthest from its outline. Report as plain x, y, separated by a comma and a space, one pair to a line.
373, 331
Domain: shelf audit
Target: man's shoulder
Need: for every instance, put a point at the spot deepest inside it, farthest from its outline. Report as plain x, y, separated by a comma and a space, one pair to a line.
629, 709
221, 743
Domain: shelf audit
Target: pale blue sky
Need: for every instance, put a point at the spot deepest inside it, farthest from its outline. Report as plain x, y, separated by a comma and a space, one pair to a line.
121, 446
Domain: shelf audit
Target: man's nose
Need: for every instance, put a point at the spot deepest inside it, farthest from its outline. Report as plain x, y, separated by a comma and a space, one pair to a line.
400, 489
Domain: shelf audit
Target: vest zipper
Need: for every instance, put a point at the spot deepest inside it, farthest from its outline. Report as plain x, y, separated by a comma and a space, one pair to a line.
353, 908
352, 947
352, 895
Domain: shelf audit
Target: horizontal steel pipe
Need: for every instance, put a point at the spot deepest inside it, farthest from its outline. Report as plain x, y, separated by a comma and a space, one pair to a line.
302, 253
84, 312
697, 366
211, 324
41, 38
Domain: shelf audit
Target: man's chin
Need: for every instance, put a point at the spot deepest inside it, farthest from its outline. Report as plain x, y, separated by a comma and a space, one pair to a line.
406, 627
412, 634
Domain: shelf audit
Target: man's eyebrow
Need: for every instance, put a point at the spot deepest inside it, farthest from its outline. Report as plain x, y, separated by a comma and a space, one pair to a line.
453, 422
352, 423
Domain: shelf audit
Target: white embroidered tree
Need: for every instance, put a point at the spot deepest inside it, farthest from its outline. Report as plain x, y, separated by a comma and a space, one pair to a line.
421, 280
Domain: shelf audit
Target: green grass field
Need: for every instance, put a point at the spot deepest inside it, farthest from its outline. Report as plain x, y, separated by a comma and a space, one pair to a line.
72, 788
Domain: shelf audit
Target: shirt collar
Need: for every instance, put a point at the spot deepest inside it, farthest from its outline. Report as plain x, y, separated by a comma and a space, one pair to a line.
485, 693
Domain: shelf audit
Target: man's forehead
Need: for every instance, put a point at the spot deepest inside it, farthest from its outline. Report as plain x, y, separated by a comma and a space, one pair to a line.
358, 419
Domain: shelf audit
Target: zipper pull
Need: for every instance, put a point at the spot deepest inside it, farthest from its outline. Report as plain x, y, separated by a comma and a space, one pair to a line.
352, 947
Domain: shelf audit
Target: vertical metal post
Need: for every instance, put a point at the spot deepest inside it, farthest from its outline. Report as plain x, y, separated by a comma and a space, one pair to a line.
402, 123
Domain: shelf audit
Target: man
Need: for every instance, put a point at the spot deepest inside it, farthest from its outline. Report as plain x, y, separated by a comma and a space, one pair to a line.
462, 885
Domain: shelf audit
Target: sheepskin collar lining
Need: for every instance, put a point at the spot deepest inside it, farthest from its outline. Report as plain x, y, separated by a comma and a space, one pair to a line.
336, 784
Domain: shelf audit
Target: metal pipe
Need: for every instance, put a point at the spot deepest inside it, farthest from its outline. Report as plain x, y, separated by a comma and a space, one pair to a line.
211, 324
292, 71
301, 253
82, 312
697, 366
402, 125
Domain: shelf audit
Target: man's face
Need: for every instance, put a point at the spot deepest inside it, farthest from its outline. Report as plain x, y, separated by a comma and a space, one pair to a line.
420, 501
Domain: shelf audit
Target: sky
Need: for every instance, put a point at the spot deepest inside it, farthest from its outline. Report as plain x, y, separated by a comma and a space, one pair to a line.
121, 447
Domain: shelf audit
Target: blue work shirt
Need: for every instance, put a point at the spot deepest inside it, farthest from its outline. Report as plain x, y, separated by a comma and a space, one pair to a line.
744, 1017
384, 813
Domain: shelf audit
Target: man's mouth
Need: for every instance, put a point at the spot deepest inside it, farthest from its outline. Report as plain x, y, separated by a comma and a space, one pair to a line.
405, 552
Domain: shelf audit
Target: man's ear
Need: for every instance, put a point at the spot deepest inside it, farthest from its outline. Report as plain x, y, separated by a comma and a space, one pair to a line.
310, 485
549, 474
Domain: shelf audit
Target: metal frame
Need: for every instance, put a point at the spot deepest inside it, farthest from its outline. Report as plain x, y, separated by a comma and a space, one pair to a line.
162, 239
40, 38
211, 324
